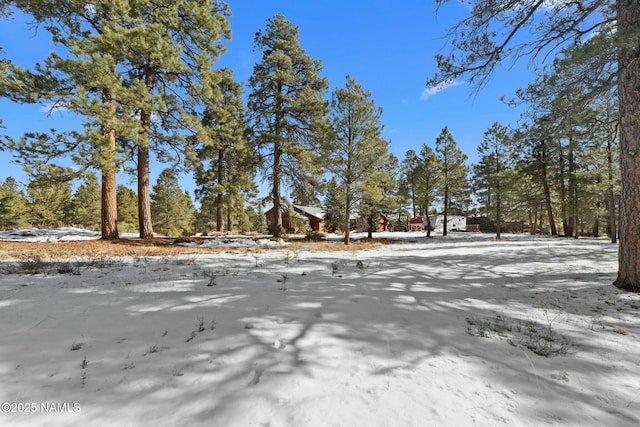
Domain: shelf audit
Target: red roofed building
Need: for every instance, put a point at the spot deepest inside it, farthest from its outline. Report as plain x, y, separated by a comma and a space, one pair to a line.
416, 224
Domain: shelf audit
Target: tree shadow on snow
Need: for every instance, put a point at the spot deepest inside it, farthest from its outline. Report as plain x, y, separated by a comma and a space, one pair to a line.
220, 338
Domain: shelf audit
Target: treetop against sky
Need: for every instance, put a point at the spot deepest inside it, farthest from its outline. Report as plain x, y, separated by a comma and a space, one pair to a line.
389, 50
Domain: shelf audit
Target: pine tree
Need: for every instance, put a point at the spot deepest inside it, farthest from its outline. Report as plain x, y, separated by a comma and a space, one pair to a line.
83, 77
13, 205
127, 209
120, 64
223, 160
425, 181
492, 171
257, 222
606, 37
85, 204
287, 109
333, 207
410, 179
452, 174
172, 209
355, 149
170, 44
49, 202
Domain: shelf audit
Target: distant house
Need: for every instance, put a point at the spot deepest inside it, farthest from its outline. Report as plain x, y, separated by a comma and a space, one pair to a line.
314, 216
416, 224
357, 224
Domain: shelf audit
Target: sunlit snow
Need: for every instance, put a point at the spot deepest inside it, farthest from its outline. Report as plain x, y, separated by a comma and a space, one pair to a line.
454, 331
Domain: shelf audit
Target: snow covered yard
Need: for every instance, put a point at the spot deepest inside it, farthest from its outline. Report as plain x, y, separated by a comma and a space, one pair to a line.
453, 331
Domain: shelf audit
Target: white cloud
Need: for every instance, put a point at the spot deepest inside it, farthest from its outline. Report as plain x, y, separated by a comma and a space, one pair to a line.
434, 90
53, 107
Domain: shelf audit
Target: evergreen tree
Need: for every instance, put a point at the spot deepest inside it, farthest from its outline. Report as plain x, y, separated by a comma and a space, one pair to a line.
493, 169
13, 205
224, 161
257, 222
127, 209
172, 209
120, 64
356, 148
538, 153
49, 202
206, 220
85, 204
379, 194
170, 44
410, 179
287, 109
82, 75
425, 178
374, 200
452, 174
606, 37
333, 206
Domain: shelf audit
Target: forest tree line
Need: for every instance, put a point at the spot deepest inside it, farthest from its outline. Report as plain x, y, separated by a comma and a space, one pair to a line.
143, 77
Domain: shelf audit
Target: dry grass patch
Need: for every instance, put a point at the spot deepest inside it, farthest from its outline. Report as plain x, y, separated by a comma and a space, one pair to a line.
154, 247
96, 249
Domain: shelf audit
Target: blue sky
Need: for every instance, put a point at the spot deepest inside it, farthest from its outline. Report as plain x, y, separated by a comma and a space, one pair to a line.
388, 48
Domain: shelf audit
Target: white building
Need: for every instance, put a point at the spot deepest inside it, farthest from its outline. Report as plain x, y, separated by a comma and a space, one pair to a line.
454, 222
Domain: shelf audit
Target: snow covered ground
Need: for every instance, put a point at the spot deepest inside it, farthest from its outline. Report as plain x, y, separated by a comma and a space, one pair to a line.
454, 331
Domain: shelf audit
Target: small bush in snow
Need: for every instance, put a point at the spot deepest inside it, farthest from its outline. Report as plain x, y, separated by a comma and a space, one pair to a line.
315, 236
153, 349
541, 340
283, 280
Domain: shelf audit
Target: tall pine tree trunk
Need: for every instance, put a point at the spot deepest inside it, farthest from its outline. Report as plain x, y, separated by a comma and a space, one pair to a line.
109, 199
566, 224
446, 208
347, 212
109, 212
219, 218
547, 193
276, 226
629, 91
547, 203
498, 198
573, 194
611, 201
498, 211
144, 193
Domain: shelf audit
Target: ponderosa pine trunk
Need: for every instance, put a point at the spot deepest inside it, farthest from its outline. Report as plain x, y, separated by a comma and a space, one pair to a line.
566, 225
219, 195
109, 199
628, 20
498, 198
276, 225
547, 195
446, 207
145, 227
144, 195
109, 209
611, 200
347, 211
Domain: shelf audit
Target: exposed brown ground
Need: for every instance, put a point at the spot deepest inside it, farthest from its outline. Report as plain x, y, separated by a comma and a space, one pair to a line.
150, 247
